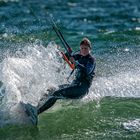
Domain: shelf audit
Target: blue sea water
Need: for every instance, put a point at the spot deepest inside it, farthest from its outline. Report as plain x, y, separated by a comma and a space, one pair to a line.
30, 64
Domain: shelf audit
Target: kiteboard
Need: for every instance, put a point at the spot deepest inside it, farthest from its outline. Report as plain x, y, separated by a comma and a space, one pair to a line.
31, 112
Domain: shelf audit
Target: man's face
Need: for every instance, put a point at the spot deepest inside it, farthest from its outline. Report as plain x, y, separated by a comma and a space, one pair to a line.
84, 50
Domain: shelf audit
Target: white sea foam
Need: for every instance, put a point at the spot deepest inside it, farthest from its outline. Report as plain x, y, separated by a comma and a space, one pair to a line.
27, 77
125, 84
132, 125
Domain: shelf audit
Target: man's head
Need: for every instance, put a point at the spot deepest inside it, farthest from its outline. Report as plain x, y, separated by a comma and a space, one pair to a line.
85, 46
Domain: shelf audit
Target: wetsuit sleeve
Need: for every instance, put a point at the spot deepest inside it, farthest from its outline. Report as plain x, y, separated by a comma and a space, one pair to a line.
90, 66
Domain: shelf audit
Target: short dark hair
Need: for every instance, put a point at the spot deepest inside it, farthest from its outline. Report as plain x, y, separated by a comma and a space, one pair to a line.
86, 41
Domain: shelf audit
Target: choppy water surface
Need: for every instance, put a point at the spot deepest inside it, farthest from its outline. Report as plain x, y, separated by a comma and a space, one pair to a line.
30, 63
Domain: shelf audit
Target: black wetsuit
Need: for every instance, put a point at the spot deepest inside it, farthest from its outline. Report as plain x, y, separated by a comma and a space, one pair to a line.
85, 66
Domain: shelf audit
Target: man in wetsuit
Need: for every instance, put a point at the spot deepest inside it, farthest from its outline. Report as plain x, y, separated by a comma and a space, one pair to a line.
85, 66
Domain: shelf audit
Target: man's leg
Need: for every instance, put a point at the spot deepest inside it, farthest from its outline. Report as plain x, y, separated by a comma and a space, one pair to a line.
50, 102
71, 92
